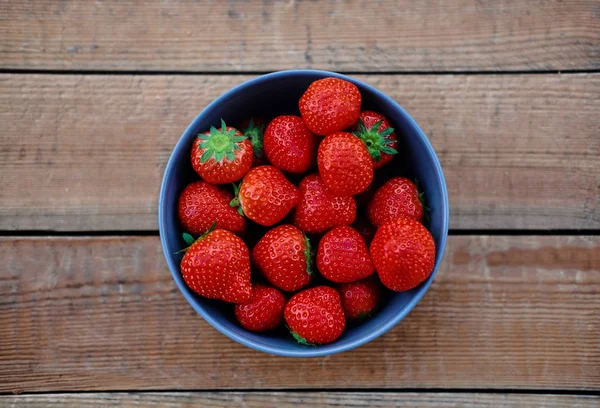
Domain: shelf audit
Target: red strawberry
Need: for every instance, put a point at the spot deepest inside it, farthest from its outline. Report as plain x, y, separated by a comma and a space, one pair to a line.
319, 210
379, 137
264, 311
345, 164
359, 299
202, 204
330, 105
221, 156
398, 197
266, 196
284, 257
217, 266
343, 256
364, 227
315, 316
403, 252
253, 129
289, 145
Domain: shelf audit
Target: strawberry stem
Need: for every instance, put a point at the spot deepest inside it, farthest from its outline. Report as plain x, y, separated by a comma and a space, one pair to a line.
421, 194
236, 200
308, 256
377, 141
256, 136
189, 239
300, 339
219, 143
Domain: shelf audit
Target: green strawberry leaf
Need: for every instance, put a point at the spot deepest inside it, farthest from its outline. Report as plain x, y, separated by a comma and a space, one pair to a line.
188, 238
300, 339
389, 150
308, 255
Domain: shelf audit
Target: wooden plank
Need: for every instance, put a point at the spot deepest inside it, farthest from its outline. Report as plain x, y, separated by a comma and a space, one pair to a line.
389, 35
517, 151
304, 399
104, 314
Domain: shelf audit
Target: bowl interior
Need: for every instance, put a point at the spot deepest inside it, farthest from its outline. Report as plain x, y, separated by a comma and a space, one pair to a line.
269, 96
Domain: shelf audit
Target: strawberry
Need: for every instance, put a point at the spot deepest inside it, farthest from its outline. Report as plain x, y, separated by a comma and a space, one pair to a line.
265, 195
253, 129
343, 256
379, 137
403, 252
345, 164
263, 312
202, 204
364, 227
319, 210
330, 105
290, 145
284, 257
217, 266
398, 197
359, 299
315, 316
221, 156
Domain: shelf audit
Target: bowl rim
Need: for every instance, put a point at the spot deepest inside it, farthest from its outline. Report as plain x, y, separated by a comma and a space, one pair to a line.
332, 348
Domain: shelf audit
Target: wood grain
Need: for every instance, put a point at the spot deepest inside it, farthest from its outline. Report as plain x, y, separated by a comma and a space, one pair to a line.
88, 152
104, 314
389, 35
302, 399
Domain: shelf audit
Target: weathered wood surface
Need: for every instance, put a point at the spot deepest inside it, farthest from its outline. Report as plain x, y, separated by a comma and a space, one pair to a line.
103, 313
256, 35
300, 399
88, 152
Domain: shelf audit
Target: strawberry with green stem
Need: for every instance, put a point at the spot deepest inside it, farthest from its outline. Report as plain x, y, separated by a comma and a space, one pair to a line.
217, 266
343, 256
315, 316
360, 299
265, 196
221, 156
264, 311
397, 197
202, 204
254, 129
284, 256
376, 132
403, 252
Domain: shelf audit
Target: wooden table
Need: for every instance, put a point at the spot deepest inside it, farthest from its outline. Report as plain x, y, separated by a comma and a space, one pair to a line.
93, 97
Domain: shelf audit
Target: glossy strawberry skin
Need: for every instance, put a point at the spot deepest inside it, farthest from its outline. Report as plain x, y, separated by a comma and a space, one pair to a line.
315, 315
290, 145
403, 252
343, 256
344, 164
319, 210
398, 197
217, 266
330, 105
264, 311
202, 204
224, 171
369, 119
360, 299
283, 256
266, 196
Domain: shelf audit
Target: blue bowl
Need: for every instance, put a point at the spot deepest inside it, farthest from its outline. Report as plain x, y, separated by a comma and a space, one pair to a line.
268, 96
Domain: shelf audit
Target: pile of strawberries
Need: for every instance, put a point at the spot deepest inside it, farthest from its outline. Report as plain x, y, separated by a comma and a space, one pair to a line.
313, 289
